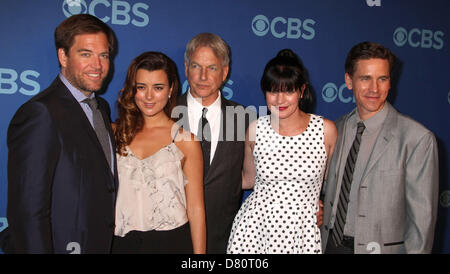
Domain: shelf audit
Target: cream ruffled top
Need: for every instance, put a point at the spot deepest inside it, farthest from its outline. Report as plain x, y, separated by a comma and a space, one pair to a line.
151, 192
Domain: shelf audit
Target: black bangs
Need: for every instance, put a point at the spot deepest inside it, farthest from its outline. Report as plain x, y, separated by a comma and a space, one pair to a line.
281, 79
286, 73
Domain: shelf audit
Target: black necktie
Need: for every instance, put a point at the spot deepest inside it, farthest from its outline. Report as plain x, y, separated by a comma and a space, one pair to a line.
341, 213
204, 135
99, 127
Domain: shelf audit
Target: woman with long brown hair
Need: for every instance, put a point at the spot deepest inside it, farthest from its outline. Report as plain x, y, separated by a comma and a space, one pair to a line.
160, 206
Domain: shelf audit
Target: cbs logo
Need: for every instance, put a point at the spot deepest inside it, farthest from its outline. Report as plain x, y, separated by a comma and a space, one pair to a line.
226, 91
330, 92
9, 83
3, 223
280, 27
418, 38
444, 199
120, 11
372, 3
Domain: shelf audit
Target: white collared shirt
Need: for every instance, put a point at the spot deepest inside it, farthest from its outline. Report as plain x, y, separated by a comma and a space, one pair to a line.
213, 115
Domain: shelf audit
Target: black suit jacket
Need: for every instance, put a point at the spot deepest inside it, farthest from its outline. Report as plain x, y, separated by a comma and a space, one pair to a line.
223, 182
61, 191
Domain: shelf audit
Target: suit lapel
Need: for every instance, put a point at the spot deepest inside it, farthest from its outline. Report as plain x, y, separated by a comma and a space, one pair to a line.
341, 125
382, 141
107, 123
183, 119
77, 118
181, 112
221, 143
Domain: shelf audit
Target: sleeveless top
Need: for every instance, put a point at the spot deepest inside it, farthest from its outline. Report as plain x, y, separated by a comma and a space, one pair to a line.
151, 193
279, 216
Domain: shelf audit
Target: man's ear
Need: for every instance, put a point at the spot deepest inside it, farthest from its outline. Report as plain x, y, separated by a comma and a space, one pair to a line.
225, 72
62, 57
348, 81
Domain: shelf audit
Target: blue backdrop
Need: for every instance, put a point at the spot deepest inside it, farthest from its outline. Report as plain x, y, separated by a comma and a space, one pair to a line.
321, 32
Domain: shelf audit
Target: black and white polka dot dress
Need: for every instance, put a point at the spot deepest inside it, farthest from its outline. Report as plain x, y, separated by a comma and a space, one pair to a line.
279, 216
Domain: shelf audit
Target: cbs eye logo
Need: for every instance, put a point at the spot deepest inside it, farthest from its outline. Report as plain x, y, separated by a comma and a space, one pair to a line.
330, 92
3, 223
72, 7
444, 199
260, 25
280, 27
415, 38
373, 3
121, 12
400, 36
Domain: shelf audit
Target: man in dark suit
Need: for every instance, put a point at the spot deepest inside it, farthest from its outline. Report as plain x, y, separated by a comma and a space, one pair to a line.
381, 193
220, 125
61, 164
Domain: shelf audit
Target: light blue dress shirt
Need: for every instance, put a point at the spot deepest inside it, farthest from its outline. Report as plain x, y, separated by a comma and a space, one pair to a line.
79, 96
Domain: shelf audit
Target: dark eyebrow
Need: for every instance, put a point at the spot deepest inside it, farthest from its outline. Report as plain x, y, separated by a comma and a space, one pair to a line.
80, 50
90, 51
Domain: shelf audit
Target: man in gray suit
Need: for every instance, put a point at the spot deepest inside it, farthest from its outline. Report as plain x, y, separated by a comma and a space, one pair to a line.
381, 193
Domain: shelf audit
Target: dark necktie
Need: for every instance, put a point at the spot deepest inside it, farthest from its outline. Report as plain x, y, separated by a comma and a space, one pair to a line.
99, 127
341, 213
204, 135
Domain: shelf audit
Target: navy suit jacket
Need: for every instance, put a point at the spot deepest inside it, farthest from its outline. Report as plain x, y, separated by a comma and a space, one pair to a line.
61, 191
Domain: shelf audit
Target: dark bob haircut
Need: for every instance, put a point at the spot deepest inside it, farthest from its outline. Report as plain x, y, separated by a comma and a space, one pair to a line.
285, 73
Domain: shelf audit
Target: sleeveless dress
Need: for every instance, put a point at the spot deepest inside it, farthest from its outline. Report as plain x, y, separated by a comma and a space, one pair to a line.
279, 216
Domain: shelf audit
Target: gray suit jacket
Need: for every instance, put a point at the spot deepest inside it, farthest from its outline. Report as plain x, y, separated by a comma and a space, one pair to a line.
398, 194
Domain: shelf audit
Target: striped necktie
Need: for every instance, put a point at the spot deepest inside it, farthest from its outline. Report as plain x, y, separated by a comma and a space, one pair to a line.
341, 213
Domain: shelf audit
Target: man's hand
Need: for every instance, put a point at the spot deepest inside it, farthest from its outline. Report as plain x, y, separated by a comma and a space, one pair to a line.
319, 214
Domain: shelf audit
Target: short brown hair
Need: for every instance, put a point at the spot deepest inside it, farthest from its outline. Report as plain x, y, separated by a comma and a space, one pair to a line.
368, 50
80, 24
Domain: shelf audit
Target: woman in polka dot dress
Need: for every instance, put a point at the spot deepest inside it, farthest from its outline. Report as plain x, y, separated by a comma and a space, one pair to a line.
286, 156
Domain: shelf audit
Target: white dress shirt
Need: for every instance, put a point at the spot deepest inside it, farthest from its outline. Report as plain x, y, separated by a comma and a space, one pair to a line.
213, 115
